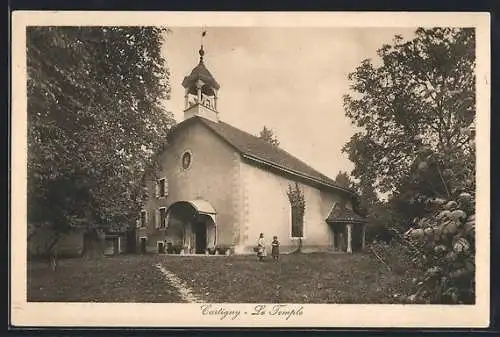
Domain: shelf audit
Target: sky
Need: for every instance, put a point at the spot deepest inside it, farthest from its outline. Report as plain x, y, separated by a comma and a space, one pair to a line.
289, 79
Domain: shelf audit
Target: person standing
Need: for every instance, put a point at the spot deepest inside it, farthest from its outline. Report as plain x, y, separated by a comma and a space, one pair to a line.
261, 247
275, 250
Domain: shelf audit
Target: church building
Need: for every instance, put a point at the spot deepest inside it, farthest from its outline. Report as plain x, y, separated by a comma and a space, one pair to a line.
219, 187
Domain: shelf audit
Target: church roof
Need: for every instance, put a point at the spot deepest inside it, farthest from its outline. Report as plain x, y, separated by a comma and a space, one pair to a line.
341, 214
260, 152
200, 72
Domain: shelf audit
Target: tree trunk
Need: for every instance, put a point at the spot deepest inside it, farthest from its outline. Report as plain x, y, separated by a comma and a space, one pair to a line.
52, 251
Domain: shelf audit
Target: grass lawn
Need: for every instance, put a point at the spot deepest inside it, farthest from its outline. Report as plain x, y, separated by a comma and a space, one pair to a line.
107, 279
302, 278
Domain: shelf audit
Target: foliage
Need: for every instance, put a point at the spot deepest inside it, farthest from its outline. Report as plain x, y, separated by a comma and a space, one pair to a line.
441, 241
298, 206
381, 220
422, 94
95, 116
445, 236
379, 215
416, 111
343, 179
269, 136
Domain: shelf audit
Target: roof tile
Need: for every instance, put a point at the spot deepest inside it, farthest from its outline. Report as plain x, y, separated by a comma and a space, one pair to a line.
340, 213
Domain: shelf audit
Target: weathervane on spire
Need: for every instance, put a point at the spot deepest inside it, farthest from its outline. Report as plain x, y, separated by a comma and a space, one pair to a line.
202, 52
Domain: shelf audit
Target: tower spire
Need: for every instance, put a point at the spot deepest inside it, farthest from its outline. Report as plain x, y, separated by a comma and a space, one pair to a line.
202, 51
201, 90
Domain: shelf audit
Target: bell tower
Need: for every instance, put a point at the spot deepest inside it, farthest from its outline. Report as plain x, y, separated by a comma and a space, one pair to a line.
201, 92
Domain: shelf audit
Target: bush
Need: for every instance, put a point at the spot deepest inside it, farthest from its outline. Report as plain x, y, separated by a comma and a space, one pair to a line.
396, 256
446, 240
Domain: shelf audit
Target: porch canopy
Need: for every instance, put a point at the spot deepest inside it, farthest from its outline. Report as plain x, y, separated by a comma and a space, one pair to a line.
341, 215
344, 215
197, 206
199, 226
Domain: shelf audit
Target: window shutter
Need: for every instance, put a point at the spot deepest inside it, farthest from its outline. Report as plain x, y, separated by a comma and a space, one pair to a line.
163, 213
162, 183
142, 214
157, 189
139, 221
166, 187
157, 218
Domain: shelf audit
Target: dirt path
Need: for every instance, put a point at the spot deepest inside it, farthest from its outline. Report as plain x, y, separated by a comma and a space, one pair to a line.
184, 291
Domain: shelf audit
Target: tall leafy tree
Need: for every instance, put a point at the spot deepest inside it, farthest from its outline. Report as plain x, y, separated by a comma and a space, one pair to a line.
269, 136
344, 179
95, 117
420, 100
298, 205
416, 110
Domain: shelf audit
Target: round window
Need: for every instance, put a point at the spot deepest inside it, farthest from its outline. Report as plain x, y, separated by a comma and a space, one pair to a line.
186, 160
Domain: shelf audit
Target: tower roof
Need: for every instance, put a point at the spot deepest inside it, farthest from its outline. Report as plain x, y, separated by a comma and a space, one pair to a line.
200, 72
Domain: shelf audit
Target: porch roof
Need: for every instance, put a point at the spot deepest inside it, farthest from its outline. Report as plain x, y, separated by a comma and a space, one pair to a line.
200, 206
341, 214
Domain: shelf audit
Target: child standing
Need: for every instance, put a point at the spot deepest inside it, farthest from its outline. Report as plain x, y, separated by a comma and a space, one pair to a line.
261, 247
275, 252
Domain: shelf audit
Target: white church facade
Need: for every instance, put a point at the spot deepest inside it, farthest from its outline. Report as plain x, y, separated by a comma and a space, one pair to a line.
219, 187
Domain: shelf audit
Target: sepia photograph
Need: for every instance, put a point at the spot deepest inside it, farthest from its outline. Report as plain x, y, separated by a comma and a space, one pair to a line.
252, 171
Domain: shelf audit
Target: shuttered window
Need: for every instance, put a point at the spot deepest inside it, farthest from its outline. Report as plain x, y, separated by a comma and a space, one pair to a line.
157, 218
144, 218
163, 217
161, 188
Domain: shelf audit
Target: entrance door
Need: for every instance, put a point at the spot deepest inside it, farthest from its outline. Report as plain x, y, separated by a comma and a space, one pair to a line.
143, 245
200, 230
116, 246
161, 247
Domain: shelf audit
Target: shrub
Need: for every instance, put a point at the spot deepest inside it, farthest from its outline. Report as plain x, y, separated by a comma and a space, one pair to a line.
446, 240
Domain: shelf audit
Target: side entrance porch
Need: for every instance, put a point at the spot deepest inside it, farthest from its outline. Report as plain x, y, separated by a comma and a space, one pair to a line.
348, 229
189, 228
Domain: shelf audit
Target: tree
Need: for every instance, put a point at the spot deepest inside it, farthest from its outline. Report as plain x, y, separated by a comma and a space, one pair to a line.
422, 95
269, 136
298, 206
95, 116
416, 111
343, 179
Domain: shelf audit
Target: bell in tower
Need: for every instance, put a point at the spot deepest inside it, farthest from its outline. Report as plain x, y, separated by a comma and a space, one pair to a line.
201, 91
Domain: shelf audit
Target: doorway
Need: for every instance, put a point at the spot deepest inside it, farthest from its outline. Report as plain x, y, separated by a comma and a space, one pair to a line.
339, 241
200, 232
357, 237
161, 247
143, 245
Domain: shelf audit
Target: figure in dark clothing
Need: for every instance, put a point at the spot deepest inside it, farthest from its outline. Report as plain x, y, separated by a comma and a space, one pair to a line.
275, 251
